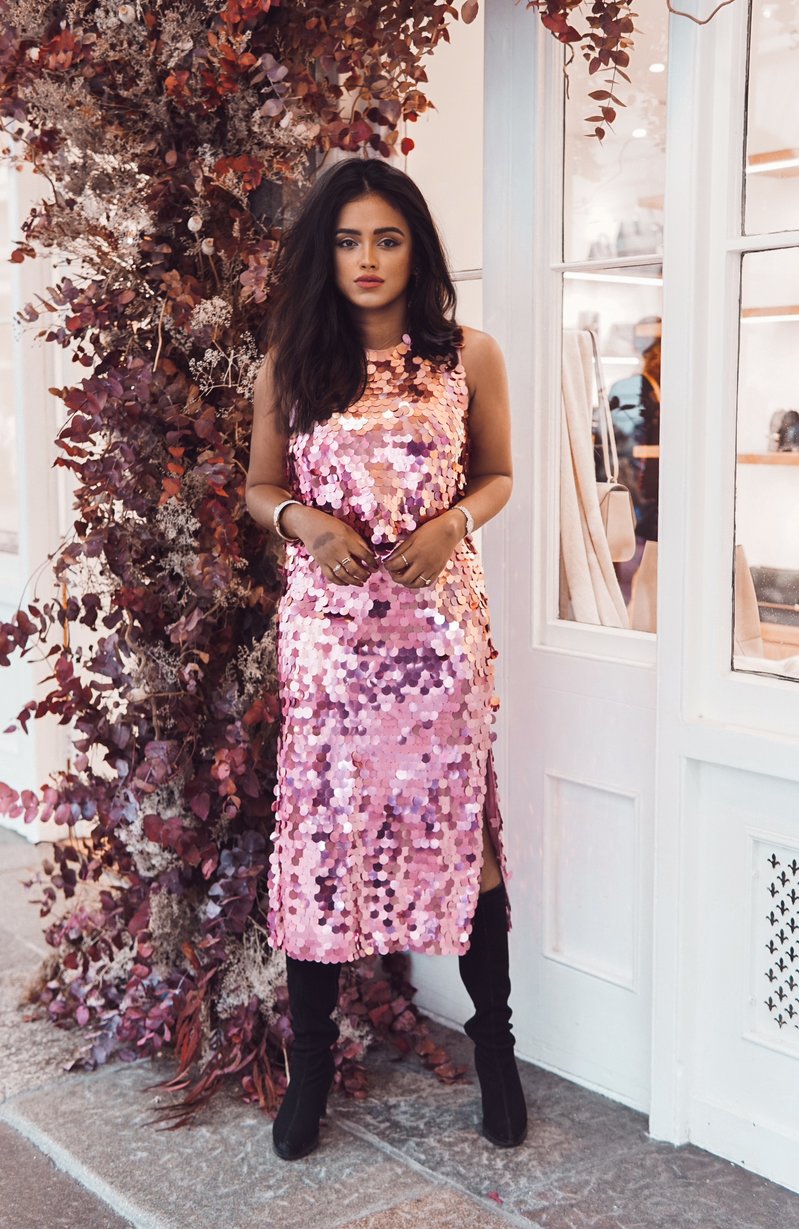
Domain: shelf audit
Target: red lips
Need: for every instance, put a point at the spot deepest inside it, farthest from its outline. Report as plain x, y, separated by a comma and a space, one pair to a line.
369, 281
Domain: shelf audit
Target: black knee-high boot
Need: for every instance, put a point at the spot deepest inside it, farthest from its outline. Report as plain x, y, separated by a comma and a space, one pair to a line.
484, 970
313, 994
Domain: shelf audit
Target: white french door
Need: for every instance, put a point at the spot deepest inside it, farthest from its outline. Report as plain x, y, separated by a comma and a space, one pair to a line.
577, 741
651, 784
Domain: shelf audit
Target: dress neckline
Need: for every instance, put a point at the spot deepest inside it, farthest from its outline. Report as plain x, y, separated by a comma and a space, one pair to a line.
390, 351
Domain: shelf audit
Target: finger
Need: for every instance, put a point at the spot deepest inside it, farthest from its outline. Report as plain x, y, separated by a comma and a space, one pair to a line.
398, 557
409, 577
366, 558
359, 567
336, 576
354, 569
396, 564
352, 578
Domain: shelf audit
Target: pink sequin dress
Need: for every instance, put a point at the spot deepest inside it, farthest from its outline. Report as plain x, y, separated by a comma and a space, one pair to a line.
385, 766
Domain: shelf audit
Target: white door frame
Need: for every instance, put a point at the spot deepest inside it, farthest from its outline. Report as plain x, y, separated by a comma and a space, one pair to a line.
727, 744
570, 1013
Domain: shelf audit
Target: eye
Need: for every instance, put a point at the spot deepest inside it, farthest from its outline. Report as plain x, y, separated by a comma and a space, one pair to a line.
393, 242
340, 243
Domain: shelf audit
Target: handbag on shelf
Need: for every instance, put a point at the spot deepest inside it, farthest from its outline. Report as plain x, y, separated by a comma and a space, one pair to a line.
601, 248
639, 238
784, 431
615, 502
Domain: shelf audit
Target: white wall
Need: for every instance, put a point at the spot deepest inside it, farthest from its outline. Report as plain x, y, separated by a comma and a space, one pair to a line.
26, 760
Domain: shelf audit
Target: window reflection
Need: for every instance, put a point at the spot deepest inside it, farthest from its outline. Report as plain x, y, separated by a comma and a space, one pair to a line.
622, 311
772, 123
612, 243
766, 624
613, 190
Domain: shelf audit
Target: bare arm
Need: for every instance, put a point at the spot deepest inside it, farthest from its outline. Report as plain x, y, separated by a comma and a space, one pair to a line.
490, 478
267, 476
325, 537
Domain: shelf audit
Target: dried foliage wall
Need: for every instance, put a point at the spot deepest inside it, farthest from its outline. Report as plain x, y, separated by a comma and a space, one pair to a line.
173, 140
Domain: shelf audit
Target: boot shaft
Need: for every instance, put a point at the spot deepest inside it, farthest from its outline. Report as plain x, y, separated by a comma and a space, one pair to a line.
313, 996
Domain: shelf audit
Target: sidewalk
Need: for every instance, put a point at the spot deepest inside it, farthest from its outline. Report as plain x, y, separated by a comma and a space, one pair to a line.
78, 1153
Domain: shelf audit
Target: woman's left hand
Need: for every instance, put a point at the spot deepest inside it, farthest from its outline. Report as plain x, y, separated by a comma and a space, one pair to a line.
417, 560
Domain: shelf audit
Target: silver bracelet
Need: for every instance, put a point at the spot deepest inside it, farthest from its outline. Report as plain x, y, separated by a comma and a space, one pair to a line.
469, 518
276, 519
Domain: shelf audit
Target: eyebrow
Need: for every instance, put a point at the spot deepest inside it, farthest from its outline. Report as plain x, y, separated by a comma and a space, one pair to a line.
380, 230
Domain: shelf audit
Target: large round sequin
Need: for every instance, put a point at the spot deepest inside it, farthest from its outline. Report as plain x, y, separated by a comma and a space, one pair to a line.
385, 766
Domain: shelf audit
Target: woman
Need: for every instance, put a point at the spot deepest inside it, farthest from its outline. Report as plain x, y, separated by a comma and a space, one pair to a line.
381, 439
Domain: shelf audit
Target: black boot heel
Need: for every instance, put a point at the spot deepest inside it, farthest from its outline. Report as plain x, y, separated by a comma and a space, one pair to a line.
313, 994
484, 971
295, 1132
504, 1108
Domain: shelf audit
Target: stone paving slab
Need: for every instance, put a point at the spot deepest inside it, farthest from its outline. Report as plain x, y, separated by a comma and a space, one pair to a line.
439, 1126
33, 1051
34, 1194
587, 1163
19, 916
220, 1172
17, 850
658, 1186
445, 1210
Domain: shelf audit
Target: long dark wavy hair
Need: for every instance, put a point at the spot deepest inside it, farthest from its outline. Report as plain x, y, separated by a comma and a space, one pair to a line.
318, 360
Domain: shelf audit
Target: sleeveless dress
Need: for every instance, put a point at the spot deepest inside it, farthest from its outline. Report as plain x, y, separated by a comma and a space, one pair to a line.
384, 764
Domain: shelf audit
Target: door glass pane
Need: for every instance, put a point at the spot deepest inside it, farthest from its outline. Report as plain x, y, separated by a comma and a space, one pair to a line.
623, 311
772, 124
766, 584
613, 190
9, 493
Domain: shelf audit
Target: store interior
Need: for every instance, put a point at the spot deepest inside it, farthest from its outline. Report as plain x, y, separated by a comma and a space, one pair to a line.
613, 272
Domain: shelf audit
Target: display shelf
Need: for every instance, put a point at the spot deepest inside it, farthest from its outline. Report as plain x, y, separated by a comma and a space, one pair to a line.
768, 458
621, 279
789, 312
781, 163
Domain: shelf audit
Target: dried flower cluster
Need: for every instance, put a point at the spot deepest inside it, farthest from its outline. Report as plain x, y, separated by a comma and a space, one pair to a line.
174, 139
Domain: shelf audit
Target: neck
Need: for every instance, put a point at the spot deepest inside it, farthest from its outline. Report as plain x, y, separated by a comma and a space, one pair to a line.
381, 327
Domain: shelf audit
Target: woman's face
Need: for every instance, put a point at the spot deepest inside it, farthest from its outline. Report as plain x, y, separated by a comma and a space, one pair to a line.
373, 253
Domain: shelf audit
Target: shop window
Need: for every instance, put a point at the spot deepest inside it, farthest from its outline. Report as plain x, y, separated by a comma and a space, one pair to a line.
766, 583
612, 243
9, 493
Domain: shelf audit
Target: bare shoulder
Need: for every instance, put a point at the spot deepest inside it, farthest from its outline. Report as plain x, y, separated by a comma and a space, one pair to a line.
482, 355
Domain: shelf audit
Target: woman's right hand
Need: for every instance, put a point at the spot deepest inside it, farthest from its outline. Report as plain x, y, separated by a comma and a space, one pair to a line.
330, 542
